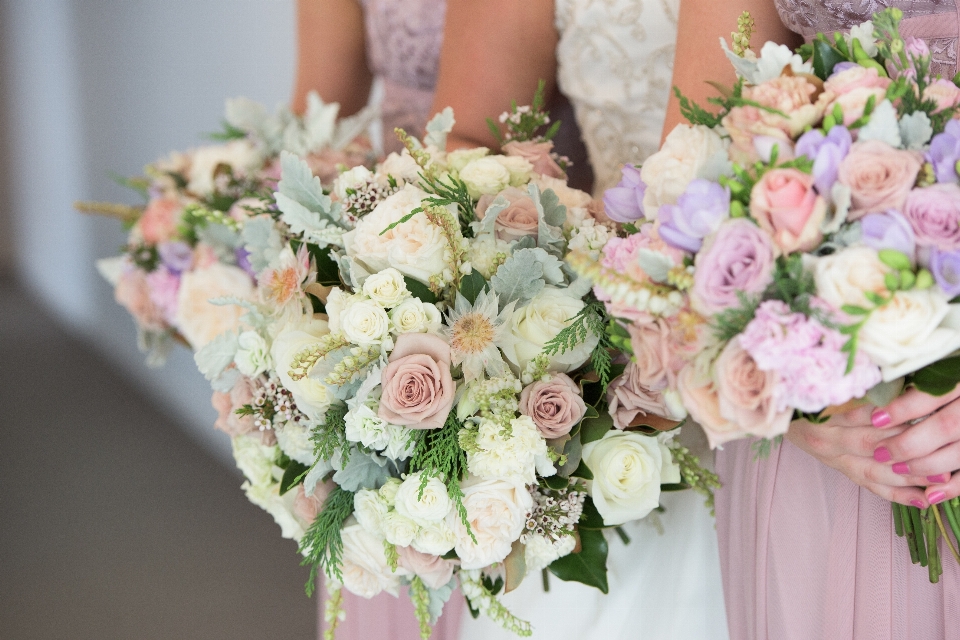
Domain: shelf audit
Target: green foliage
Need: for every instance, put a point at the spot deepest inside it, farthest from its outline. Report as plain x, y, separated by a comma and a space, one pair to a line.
420, 290
331, 436
144, 256
420, 597
322, 544
694, 113
140, 185
437, 454
592, 319
525, 123
825, 57
471, 285
594, 425
694, 475
590, 518
939, 378
731, 322
227, 133
764, 446
589, 566
293, 474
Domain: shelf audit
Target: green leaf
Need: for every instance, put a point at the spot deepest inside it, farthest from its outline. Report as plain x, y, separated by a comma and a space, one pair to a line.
677, 486
591, 518
594, 427
292, 476
420, 290
557, 483
583, 471
825, 58
472, 285
589, 566
854, 310
939, 378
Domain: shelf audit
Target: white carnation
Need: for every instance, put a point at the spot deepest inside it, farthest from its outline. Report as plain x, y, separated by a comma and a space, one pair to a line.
294, 440
590, 239
253, 355
268, 498
366, 427
415, 316
400, 446
370, 510
254, 459
431, 505
510, 454
386, 288
399, 529
540, 551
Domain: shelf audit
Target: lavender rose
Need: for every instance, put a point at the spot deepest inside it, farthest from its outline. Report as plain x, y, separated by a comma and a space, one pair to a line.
519, 219
417, 386
879, 177
697, 214
944, 152
624, 202
738, 258
555, 405
934, 214
888, 230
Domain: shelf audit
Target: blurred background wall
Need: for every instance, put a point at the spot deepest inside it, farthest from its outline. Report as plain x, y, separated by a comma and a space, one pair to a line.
94, 87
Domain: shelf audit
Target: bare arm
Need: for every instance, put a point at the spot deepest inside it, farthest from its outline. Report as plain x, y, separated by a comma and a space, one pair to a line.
493, 52
331, 55
699, 57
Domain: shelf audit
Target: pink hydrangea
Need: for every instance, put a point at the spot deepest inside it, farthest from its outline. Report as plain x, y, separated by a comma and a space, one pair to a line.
808, 358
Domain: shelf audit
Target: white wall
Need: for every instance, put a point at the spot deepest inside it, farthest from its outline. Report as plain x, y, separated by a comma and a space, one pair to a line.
101, 86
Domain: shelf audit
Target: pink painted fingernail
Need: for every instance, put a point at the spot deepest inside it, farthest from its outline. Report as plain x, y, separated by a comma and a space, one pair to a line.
917, 503
901, 468
937, 497
880, 418
882, 454
940, 479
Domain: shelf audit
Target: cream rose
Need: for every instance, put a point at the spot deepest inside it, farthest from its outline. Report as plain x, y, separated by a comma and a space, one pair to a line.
496, 511
200, 321
354, 179
415, 316
386, 288
686, 152
628, 469
845, 276
388, 492
435, 538
370, 510
310, 394
539, 321
432, 506
364, 322
485, 175
365, 569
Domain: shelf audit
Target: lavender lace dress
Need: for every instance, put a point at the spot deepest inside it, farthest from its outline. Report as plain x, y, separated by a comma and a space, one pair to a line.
806, 553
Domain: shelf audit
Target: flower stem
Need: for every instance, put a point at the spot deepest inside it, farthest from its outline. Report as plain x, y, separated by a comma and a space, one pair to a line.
919, 534
943, 531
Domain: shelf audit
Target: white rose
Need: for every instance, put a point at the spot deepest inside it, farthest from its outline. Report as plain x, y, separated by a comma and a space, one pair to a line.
415, 316
435, 538
355, 178
254, 459
569, 197
370, 510
388, 492
845, 276
496, 511
364, 323
539, 551
458, 159
200, 321
365, 569
399, 530
240, 155
689, 152
310, 394
294, 440
415, 248
485, 176
628, 469
386, 288
540, 320
508, 454
363, 425
432, 506
519, 168
401, 166
253, 356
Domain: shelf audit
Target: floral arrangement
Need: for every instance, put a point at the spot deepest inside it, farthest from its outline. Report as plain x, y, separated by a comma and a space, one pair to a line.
186, 244
418, 389
798, 252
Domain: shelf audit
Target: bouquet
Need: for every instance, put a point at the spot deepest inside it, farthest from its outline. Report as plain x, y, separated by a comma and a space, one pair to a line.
186, 244
418, 390
798, 252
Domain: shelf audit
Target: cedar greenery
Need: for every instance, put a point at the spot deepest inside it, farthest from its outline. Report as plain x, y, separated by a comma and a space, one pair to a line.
437, 454
592, 319
331, 436
322, 544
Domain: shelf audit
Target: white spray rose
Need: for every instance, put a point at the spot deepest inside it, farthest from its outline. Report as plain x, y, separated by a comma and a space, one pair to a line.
365, 569
519, 168
386, 288
689, 152
628, 469
200, 321
388, 492
399, 529
415, 316
364, 322
310, 394
496, 511
485, 176
435, 538
459, 158
432, 505
354, 178
253, 356
240, 155
370, 510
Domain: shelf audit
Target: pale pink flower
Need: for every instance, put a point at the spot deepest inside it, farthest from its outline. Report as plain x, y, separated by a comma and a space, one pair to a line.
133, 293
786, 206
164, 286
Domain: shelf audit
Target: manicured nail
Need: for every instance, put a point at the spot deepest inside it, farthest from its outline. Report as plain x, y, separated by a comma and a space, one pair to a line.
917, 503
882, 454
943, 478
880, 418
937, 497
902, 468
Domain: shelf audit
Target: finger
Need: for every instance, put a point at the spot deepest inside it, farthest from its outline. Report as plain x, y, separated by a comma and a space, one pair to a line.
859, 417
937, 493
910, 496
922, 439
867, 471
944, 460
863, 441
910, 406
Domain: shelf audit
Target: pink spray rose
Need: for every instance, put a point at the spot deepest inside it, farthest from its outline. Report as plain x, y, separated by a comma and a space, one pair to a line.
944, 93
417, 386
307, 508
630, 402
537, 154
879, 177
519, 219
159, 220
746, 395
934, 214
700, 398
656, 353
133, 293
227, 404
786, 206
852, 88
433, 570
554, 405
739, 257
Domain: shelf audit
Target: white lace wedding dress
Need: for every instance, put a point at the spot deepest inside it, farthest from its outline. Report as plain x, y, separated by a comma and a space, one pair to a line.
615, 63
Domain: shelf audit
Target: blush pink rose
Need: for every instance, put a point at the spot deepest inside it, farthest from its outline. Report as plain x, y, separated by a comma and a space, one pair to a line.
307, 508
417, 386
519, 219
944, 93
629, 401
852, 88
934, 214
700, 399
786, 206
133, 293
538, 154
879, 177
555, 405
738, 258
746, 394
159, 220
655, 353
433, 570
227, 404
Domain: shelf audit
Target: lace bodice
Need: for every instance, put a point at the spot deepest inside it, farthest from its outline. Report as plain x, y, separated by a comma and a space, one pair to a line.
403, 48
936, 21
615, 61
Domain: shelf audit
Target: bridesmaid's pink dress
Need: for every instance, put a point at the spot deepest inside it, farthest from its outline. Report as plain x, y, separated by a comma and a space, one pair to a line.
805, 553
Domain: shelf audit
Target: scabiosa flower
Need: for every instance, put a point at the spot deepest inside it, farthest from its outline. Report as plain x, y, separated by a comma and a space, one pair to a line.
473, 331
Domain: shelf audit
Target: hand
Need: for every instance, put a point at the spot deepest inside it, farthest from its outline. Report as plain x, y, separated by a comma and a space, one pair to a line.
929, 449
846, 442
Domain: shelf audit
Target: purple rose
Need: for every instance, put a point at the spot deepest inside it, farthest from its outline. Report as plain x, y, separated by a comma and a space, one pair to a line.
176, 256
888, 230
934, 214
945, 266
945, 152
624, 202
737, 259
826, 151
698, 213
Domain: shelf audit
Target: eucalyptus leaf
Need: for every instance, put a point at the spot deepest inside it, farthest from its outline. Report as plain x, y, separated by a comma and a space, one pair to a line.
589, 566
915, 130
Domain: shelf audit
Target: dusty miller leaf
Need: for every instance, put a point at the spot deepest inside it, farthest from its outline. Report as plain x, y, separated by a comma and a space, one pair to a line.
363, 472
262, 241
216, 355
298, 184
438, 128
518, 279
486, 225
